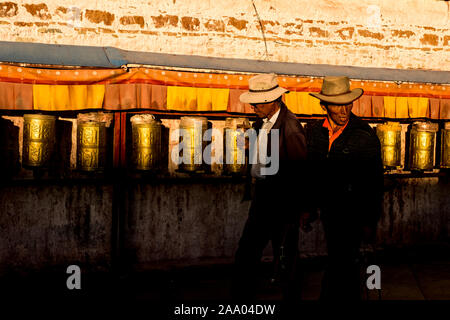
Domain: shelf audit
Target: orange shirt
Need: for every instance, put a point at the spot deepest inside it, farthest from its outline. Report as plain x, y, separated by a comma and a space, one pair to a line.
332, 136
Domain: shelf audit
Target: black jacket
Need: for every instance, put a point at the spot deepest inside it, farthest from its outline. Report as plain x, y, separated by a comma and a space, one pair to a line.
347, 181
287, 183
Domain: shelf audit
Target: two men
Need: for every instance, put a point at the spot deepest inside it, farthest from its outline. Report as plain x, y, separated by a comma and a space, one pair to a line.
342, 177
276, 202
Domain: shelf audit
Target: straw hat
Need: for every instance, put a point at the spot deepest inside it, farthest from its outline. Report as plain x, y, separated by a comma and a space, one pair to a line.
263, 88
336, 90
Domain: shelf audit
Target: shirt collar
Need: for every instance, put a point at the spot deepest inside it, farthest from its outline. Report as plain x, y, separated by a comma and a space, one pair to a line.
274, 118
326, 124
333, 135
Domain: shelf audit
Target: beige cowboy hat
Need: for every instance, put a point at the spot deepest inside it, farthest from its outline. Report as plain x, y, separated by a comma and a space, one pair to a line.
336, 90
263, 88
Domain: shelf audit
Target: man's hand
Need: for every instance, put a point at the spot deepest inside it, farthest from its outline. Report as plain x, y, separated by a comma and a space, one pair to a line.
305, 221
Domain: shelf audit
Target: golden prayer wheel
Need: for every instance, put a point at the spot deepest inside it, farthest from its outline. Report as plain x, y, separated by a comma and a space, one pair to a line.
193, 130
445, 146
422, 145
91, 149
234, 145
389, 134
38, 139
146, 132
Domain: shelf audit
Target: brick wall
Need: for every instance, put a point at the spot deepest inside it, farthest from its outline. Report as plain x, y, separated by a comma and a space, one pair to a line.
410, 34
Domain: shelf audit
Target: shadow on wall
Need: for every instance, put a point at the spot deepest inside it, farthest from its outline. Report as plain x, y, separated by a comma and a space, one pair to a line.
415, 210
47, 225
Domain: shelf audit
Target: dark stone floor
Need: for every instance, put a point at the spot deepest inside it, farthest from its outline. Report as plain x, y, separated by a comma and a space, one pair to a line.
419, 274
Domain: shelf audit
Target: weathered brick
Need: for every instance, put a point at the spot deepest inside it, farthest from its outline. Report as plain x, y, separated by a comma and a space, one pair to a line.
127, 20
215, 25
49, 30
318, 32
238, 24
128, 31
289, 32
162, 21
430, 39
190, 24
346, 33
369, 34
61, 9
8, 9
269, 22
402, 33
38, 10
23, 24
97, 16
446, 40
105, 30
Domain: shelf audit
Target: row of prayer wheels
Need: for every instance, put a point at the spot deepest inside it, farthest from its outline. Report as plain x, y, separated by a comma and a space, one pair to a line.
39, 143
422, 145
235, 156
39, 139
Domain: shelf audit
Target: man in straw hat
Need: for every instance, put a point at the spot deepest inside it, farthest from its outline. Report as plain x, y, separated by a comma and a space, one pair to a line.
344, 155
275, 206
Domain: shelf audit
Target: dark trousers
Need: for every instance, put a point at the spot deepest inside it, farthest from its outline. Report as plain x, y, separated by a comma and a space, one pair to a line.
341, 280
266, 222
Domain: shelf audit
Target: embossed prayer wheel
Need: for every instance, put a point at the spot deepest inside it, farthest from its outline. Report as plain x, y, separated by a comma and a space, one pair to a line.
389, 134
445, 146
146, 133
234, 145
91, 148
38, 140
422, 145
193, 130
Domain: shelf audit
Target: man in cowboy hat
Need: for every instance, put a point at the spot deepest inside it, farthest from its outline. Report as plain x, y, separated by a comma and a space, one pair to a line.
272, 215
344, 155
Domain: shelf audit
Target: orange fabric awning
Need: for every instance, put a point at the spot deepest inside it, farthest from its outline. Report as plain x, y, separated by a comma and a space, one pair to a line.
26, 88
16, 74
68, 97
16, 96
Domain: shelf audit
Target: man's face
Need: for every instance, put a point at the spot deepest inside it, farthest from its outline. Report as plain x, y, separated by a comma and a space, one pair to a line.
263, 110
340, 114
